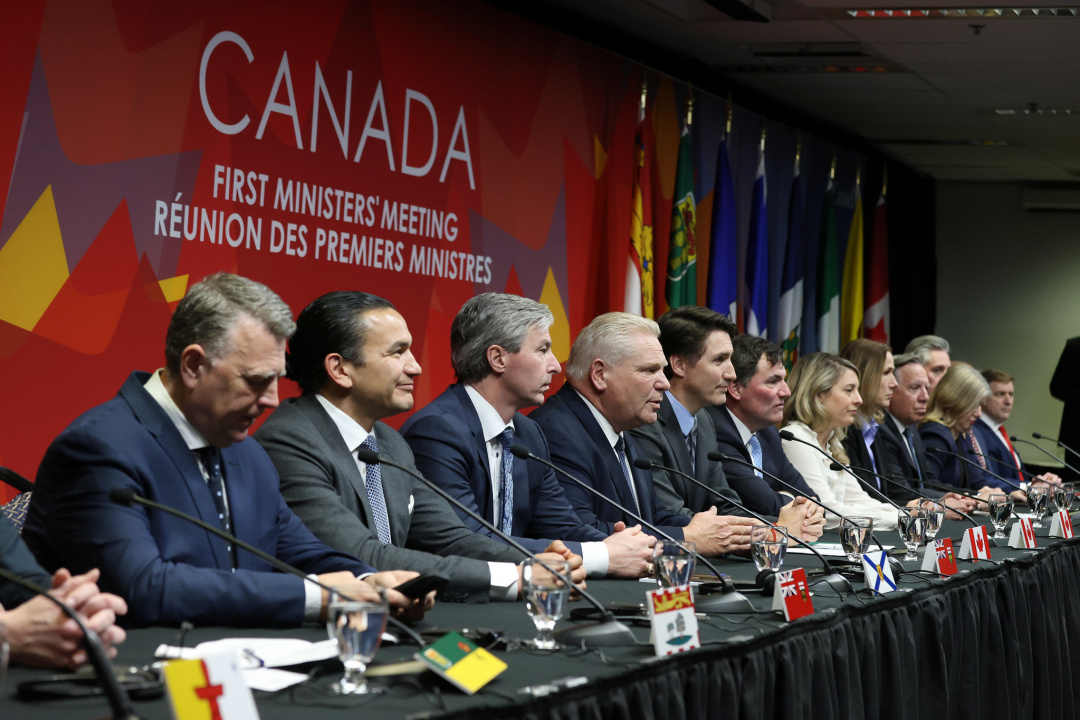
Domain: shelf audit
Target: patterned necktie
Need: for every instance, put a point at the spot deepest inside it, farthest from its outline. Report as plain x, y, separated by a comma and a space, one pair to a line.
1012, 451
506, 486
620, 450
211, 460
691, 447
977, 448
755, 455
373, 485
914, 457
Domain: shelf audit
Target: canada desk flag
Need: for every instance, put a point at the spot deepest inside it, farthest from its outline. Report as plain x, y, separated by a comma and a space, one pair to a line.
792, 594
1062, 525
1022, 535
878, 573
976, 545
939, 557
209, 689
674, 620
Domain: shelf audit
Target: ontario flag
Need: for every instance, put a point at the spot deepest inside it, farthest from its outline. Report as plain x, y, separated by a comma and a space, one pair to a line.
757, 256
790, 313
681, 286
723, 287
639, 267
792, 594
944, 558
876, 318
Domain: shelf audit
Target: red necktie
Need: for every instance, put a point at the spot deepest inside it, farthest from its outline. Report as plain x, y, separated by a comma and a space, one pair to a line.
1016, 459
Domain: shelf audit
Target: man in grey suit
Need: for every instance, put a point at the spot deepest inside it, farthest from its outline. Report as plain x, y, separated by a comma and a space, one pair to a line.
351, 357
697, 344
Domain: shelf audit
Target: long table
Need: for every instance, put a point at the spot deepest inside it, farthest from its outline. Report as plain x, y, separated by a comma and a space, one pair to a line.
990, 642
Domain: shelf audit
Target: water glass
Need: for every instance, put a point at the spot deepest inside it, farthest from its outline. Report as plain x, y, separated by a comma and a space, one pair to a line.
1038, 498
768, 547
911, 522
357, 627
1001, 508
546, 596
1070, 494
855, 535
935, 514
673, 562
1059, 498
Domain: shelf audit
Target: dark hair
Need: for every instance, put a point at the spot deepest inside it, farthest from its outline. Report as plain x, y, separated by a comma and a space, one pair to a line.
748, 351
332, 323
997, 376
684, 330
209, 310
492, 319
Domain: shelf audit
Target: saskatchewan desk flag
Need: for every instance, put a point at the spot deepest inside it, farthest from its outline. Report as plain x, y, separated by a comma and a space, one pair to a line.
828, 282
682, 252
789, 318
851, 295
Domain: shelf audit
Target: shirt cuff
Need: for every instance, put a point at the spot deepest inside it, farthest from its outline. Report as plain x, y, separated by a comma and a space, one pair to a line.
504, 581
312, 599
594, 558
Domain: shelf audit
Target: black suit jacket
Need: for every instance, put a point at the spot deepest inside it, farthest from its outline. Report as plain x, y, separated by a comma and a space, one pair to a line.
579, 446
859, 457
663, 443
1065, 386
16, 558
893, 458
759, 494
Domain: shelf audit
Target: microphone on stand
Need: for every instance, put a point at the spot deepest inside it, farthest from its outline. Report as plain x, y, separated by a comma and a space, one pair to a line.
1037, 436
122, 709
1014, 468
1013, 438
609, 632
16, 480
894, 480
830, 576
1010, 483
836, 466
729, 600
720, 457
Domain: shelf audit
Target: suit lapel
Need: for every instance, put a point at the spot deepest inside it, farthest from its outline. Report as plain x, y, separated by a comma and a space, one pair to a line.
597, 436
483, 494
154, 419
673, 432
397, 487
642, 479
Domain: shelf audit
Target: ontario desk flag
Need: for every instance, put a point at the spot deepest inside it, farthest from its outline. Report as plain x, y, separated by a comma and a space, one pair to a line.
792, 594
939, 557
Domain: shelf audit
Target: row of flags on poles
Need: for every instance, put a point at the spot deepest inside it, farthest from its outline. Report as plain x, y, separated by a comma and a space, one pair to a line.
852, 297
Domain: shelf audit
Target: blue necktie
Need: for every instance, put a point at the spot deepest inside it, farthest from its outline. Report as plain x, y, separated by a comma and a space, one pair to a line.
914, 456
691, 446
506, 486
211, 460
621, 452
755, 455
373, 485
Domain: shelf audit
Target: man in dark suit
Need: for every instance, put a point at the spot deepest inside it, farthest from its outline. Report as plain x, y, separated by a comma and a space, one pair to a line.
614, 383
38, 633
1001, 456
898, 447
746, 426
697, 344
1065, 386
500, 348
179, 436
351, 355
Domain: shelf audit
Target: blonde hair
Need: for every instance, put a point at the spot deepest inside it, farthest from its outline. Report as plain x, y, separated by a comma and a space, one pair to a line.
611, 337
869, 357
812, 376
961, 389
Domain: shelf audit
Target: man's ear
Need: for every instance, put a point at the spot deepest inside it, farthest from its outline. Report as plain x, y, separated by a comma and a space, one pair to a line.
735, 390
678, 365
497, 358
193, 364
598, 375
334, 364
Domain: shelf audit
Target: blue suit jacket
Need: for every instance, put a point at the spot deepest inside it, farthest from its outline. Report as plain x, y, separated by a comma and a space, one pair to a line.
949, 469
998, 457
167, 569
579, 446
15, 557
448, 445
760, 494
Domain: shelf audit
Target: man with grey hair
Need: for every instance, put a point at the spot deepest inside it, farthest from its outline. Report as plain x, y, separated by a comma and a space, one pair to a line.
933, 353
615, 383
500, 347
179, 436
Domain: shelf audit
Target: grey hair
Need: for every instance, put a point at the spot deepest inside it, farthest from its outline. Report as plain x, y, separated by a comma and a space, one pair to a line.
900, 361
610, 337
924, 345
210, 308
492, 319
